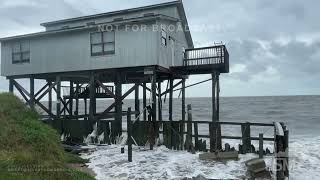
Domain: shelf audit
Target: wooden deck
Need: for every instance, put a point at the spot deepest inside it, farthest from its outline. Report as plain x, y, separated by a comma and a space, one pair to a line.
204, 60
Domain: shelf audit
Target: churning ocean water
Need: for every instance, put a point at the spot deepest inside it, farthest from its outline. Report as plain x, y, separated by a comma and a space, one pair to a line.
301, 114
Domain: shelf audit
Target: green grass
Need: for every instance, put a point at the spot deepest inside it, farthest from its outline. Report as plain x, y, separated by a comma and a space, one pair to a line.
30, 149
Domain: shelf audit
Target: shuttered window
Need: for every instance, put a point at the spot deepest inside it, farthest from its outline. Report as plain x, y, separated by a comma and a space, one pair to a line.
102, 43
21, 52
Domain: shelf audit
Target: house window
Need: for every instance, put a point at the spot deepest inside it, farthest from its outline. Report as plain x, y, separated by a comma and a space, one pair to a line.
164, 37
21, 52
102, 43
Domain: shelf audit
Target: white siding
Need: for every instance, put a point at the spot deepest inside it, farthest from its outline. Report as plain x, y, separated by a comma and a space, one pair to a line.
71, 52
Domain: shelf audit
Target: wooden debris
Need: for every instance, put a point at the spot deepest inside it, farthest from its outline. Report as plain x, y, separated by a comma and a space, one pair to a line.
257, 169
220, 156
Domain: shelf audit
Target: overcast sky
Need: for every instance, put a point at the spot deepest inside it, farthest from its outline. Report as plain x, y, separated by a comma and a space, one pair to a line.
273, 45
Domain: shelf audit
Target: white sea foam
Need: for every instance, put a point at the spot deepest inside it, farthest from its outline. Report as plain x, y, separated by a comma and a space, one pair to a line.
161, 163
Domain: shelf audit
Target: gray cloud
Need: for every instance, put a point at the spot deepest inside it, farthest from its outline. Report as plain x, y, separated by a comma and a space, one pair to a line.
273, 45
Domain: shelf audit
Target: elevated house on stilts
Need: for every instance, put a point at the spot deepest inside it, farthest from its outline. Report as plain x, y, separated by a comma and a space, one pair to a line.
141, 46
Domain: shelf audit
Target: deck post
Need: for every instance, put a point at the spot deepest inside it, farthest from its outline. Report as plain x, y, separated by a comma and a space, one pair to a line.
58, 103
71, 98
129, 128
118, 107
32, 98
215, 111
219, 140
159, 102
137, 102
92, 98
144, 91
11, 87
183, 111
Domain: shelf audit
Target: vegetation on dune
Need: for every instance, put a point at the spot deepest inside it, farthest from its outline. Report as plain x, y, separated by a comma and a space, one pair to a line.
30, 149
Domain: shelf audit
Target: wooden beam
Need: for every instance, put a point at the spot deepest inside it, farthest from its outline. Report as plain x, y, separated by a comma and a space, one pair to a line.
171, 88
17, 85
47, 91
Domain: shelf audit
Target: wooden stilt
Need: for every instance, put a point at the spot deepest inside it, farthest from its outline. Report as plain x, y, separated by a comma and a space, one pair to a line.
71, 98
11, 85
183, 111
159, 102
77, 98
154, 133
144, 89
129, 128
213, 97
189, 130
92, 98
118, 106
171, 109
32, 98
50, 98
261, 145
85, 106
170, 99
154, 96
246, 138
137, 102
58, 103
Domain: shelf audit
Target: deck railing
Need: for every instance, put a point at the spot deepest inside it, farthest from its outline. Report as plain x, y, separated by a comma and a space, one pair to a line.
85, 90
206, 56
